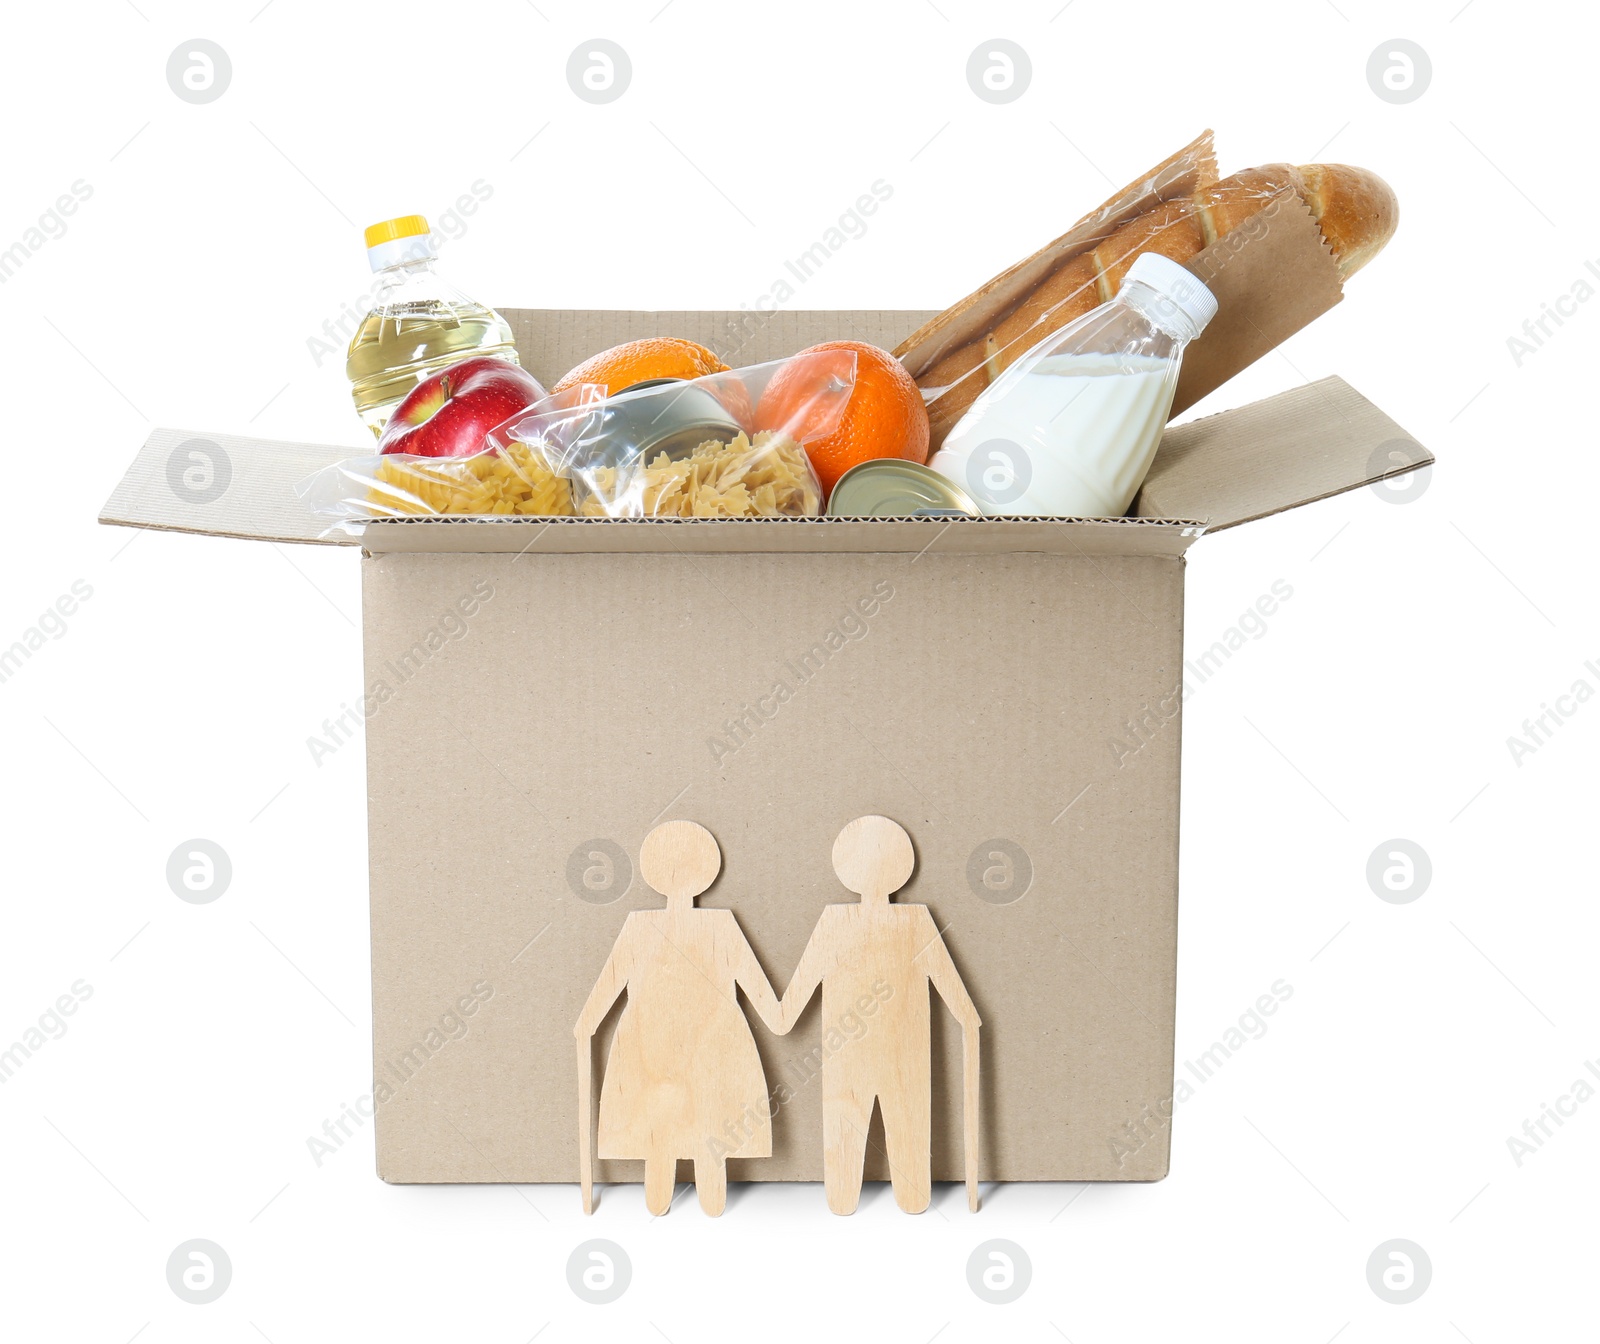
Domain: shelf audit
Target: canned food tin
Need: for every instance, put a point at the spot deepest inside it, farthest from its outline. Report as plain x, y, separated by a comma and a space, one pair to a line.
660, 415
891, 488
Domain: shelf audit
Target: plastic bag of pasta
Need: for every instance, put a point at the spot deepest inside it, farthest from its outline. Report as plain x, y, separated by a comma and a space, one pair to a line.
435, 457
514, 481
711, 447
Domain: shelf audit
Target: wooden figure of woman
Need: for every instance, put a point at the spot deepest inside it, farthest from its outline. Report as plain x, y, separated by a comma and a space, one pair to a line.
683, 1079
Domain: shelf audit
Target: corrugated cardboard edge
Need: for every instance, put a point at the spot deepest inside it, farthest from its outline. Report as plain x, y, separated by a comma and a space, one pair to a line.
1321, 439
782, 536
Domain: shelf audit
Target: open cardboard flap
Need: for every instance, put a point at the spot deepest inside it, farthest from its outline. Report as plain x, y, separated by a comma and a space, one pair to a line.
1281, 452
173, 486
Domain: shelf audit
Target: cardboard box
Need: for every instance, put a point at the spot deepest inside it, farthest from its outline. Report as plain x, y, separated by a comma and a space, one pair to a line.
543, 692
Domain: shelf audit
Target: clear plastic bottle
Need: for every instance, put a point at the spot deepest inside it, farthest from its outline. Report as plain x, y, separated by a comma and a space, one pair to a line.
418, 322
1070, 429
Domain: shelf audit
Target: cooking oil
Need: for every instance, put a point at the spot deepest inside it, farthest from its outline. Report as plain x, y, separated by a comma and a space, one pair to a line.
418, 323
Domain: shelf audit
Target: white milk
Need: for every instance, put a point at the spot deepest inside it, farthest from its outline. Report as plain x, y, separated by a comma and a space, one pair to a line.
1073, 437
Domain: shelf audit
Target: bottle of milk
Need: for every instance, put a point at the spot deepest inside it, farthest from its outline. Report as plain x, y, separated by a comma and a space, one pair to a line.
1070, 429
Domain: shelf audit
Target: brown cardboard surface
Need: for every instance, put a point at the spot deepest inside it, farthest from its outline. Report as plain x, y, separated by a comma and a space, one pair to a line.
977, 699
257, 500
1302, 445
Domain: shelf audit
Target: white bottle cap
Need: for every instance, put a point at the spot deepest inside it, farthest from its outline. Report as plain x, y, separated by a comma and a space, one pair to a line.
398, 251
397, 241
1178, 284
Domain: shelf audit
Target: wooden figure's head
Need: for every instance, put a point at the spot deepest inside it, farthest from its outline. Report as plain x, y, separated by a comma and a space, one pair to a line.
873, 857
680, 859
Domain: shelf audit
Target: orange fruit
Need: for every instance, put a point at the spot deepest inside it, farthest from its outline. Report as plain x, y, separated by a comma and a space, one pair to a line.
884, 416
635, 361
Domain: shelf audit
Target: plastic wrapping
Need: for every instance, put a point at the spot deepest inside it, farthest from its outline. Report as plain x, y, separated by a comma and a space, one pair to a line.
1179, 229
699, 448
514, 481
1179, 209
711, 447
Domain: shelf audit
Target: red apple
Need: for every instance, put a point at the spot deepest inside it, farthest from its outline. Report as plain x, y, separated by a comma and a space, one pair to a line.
451, 413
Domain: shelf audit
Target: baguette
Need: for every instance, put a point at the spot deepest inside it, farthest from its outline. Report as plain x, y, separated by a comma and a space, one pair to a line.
1355, 210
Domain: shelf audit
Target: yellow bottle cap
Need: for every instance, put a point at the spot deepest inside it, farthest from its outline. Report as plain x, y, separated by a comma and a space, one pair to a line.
406, 226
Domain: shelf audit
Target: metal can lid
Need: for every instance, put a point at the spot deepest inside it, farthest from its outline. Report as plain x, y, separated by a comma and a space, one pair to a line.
889, 487
670, 415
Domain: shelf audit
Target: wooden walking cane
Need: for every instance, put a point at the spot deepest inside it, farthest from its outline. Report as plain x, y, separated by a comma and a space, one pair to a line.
969, 1071
586, 1122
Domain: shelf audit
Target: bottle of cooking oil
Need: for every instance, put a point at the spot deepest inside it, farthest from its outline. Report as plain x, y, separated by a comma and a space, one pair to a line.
418, 322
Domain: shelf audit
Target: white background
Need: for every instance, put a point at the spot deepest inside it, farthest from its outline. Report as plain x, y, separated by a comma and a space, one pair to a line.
177, 703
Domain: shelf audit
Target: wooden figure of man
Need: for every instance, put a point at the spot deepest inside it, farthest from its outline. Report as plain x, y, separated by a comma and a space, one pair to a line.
889, 955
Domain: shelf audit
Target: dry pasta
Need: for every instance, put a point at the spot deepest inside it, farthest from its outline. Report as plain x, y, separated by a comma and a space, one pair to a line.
511, 481
769, 477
